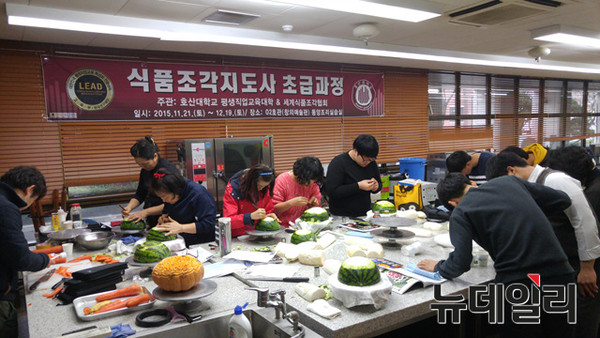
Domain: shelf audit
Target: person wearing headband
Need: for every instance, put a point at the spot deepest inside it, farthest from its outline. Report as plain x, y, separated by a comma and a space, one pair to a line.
247, 198
189, 209
298, 189
145, 154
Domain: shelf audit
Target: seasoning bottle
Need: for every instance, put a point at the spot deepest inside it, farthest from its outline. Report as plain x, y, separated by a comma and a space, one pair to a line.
62, 217
239, 325
76, 216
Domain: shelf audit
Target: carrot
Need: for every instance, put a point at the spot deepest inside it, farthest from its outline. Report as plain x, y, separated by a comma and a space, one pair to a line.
132, 290
117, 304
102, 258
59, 260
81, 258
87, 310
53, 293
52, 249
137, 300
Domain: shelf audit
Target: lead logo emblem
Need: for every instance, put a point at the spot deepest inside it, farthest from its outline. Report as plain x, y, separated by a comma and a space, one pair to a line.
90, 89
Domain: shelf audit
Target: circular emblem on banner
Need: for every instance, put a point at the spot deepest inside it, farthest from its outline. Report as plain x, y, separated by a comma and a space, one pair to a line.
363, 95
90, 89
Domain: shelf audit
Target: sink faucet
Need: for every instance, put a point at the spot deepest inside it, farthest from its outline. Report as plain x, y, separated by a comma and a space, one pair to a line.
276, 300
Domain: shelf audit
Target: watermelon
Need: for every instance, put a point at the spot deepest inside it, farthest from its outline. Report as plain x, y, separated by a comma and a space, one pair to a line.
128, 224
268, 224
384, 207
150, 252
302, 236
359, 271
315, 215
157, 235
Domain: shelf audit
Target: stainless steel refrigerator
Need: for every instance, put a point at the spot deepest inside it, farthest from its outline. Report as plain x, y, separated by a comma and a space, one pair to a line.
212, 162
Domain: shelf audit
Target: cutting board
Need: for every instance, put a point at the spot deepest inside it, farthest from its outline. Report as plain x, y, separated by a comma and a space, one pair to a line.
31, 277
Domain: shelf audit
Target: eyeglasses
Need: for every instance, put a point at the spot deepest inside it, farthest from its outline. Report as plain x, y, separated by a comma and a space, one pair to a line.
368, 159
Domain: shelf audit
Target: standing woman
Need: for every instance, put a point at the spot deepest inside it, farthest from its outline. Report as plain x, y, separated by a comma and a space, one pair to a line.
189, 209
145, 154
298, 189
247, 198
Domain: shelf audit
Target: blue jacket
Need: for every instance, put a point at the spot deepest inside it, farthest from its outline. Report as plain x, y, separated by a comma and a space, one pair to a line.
14, 252
195, 205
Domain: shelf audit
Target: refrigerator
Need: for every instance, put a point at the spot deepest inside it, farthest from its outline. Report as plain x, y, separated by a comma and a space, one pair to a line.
213, 161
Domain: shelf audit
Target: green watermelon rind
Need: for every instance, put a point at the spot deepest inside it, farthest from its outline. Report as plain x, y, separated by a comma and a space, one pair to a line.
366, 275
157, 235
268, 224
301, 236
388, 208
150, 252
130, 225
311, 216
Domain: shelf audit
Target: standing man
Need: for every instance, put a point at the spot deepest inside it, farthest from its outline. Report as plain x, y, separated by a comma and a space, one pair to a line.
505, 217
473, 166
576, 229
352, 177
19, 188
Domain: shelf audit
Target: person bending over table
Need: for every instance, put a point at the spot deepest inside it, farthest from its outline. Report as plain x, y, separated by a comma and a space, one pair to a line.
188, 209
298, 189
247, 198
145, 154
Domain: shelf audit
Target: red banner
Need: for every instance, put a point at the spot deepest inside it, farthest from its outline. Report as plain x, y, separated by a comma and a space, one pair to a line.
102, 90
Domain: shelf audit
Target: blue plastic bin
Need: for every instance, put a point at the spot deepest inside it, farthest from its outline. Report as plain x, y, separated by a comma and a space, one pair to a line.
413, 166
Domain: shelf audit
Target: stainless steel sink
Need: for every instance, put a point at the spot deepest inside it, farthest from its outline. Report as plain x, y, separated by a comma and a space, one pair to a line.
263, 323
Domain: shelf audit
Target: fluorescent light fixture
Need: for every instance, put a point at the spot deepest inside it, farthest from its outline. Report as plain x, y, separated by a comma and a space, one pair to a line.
567, 35
83, 27
413, 12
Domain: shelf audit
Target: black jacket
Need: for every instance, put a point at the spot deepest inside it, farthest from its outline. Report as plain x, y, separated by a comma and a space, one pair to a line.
14, 252
506, 217
143, 194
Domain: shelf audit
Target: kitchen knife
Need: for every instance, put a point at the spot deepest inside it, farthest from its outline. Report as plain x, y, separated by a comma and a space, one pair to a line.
44, 278
279, 279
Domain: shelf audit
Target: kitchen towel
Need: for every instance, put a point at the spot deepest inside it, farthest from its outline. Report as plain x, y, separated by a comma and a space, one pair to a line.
323, 309
412, 267
121, 330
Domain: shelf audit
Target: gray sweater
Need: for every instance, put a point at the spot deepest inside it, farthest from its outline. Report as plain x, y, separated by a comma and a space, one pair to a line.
506, 217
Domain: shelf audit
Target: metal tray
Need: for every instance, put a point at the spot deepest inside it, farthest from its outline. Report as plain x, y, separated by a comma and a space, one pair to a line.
68, 234
90, 300
117, 230
264, 233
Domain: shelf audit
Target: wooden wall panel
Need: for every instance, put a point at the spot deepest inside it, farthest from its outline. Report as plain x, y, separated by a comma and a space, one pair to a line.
26, 138
98, 152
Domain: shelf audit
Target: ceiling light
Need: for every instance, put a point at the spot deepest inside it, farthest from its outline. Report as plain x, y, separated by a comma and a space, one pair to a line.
411, 11
567, 35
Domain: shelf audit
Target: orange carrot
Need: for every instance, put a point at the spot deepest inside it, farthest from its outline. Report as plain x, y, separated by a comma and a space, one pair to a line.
132, 290
137, 300
101, 258
81, 258
52, 249
53, 293
87, 310
117, 304
59, 260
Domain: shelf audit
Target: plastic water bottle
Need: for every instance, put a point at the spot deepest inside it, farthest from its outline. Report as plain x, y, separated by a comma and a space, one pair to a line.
239, 325
76, 216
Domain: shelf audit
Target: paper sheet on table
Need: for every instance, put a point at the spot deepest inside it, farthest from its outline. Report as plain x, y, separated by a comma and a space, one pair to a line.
271, 270
223, 268
250, 256
200, 253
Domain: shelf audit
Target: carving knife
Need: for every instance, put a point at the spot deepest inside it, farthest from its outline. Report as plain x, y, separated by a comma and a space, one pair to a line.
44, 278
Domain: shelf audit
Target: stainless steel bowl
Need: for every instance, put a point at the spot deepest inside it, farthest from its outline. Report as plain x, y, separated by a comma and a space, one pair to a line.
94, 240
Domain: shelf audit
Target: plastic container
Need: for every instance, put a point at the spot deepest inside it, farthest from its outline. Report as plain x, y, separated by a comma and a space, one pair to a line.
62, 217
76, 216
239, 325
414, 167
55, 221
